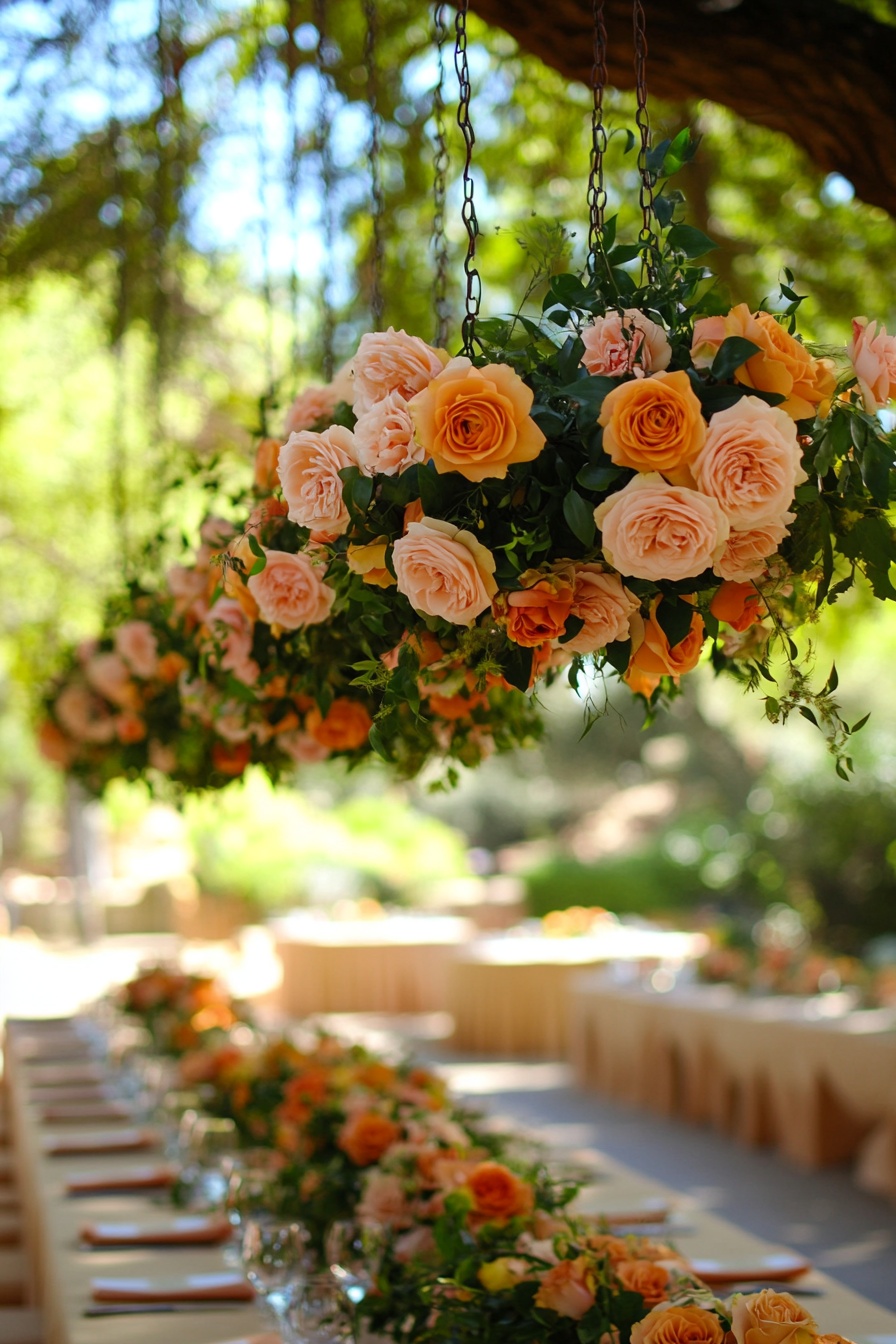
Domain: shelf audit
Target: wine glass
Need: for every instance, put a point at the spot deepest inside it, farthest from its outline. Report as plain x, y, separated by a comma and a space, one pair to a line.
211, 1140
276, 1261
250, 1194
353, 1251
317, 1315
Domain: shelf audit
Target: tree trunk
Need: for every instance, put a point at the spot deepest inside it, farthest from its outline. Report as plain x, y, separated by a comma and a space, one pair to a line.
822, 72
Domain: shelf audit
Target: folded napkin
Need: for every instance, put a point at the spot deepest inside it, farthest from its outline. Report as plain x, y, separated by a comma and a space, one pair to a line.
100, 1141
85, 1071
53, 1094
118, 1182
39, 1048
191, 1288
90, 1112
185, 1231
778, 1267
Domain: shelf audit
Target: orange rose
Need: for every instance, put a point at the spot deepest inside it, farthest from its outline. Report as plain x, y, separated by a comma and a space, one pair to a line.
678, 1325
651, 651
370, 562
345, 726
476, 421
614, 1249
653, 424
231, 758
568, 1288
170, 667
770, 1317
129, 727
498, 1194
366, 1136
646, 1278
53, 745
454, 707
782, 364
738, 605
233, 577
266, 455
538, 610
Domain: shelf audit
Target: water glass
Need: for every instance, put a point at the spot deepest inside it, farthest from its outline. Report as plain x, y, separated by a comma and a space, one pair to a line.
276, 1261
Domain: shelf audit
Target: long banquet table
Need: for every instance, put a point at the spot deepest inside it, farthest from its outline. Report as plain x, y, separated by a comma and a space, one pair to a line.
63, 1268
809, 1076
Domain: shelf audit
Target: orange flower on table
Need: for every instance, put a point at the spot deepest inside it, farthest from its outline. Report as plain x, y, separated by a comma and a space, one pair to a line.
644, 1277
873, 355
678, 1325
782, 364
538, 610
653, 530
738, 605
290, 591
653, 424
476, 421
770, 1317
365, 1137
370, 562
266, 456
345, 726
498, 1194
444, 571
751, 463
568, 1288
604, 1244
231, 758
652, 653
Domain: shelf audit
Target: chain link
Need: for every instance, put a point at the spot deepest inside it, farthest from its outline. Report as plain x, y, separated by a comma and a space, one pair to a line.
440, 163
377, 200
597, 194
264, 227
325, 158
292, 195
468, 211
647, 237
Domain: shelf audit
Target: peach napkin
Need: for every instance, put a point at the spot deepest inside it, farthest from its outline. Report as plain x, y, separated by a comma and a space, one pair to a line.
53, 1094
86, 1071
189, 1230
90, 1112
117, 1182
773, 1268
191, 1288
100, 1141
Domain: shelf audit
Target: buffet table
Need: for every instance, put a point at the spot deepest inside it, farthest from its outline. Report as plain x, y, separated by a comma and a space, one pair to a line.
398, 964
510, 994
813, 1077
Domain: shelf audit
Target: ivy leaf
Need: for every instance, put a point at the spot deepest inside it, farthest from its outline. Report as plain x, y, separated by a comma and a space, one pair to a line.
674, 618
625, 252
579, 517
593, 476
732, 353
255, 546
692, 242
573, 625
876, 464
618, 654
589, 393
517, 667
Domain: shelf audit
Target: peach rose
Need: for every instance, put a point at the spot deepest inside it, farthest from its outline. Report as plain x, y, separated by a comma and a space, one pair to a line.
678, 1325
417, 1244
234, 576
770, 1317
216, 532
290, 591
266, 456
747, 553
750, 463
187, 586
345, 726
309, 467
654, 655
738, 605
605, 1245
318, 402
392, 361
231, 639
162, 757
476, 421
370, 562
498, 1194
604, 604
652, 530
365, 1137
538, 610
303, 748
138, 646
384, 1201
444, 571
568, 1288
623, 343
384, 438
109, 674
782, 364
644, 1277
653, 424
873, 355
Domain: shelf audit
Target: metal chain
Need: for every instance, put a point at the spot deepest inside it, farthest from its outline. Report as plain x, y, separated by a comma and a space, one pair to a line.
325, 155
468, 211
377, 200
440, 173
647, 237
292, 201
597, 193
264, 227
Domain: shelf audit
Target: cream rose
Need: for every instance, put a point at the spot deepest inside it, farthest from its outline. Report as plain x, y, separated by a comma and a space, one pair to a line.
138, 646
750, 463
653, 530
604, 604
476, 421
303, 748
309, 469
770, 1317
568, 1288
384, 438
747, 553
290, 591
873, 355
623, 343
444, 571
392, 361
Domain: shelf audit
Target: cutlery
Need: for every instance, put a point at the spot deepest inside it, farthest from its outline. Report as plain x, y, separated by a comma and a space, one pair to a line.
152, 1308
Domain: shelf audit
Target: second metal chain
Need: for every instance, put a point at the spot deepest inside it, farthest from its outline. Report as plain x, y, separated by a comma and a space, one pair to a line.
325, 155
468, 211
647, 237
439, 177
597, 194
377, 201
